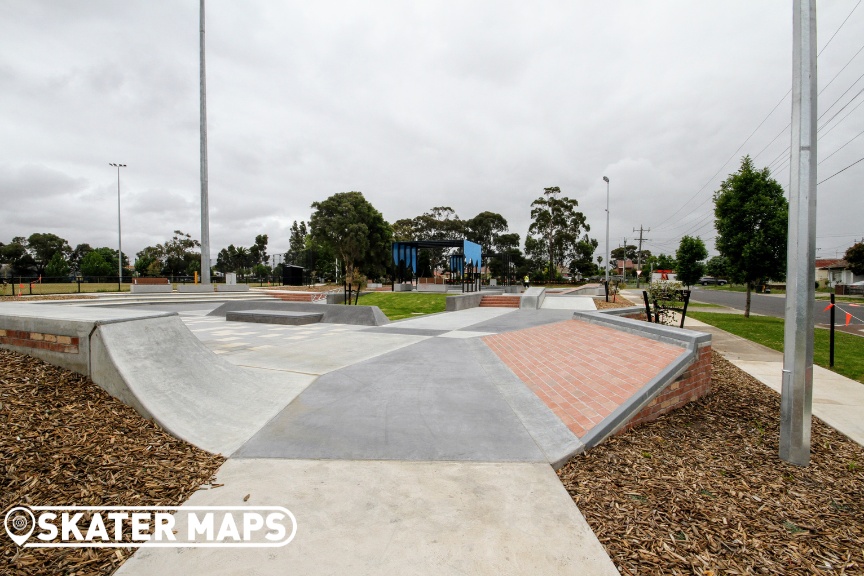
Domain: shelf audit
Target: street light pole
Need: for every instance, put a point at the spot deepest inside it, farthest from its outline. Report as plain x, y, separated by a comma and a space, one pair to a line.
119, 233
205, 202
605, 179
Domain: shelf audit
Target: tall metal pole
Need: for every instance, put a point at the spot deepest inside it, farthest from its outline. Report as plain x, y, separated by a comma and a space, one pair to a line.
119, 233
205, 205
605, 179
797, 388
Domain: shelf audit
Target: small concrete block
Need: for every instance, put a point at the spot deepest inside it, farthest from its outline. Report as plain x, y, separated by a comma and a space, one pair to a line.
275, 317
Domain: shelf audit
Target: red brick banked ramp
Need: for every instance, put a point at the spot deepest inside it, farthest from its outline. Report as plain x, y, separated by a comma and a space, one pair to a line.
598, 379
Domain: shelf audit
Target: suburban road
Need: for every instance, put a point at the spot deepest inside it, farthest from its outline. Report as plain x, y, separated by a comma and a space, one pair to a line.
774, 305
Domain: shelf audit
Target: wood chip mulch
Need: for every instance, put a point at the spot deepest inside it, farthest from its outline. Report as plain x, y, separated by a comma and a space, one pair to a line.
63, 442
618, 303
703, 491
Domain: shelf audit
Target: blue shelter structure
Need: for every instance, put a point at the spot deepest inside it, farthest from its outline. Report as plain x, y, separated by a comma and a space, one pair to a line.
466, 263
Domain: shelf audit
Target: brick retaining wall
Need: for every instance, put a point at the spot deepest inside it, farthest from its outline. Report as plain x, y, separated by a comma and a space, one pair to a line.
40, 340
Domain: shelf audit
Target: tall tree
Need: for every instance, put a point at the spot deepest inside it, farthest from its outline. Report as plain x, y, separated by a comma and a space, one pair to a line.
751, 217
855, 258
691, 251
665, 262
77, 255
558, 225
93, 264
57, 267
43, 246
718, 267
355, 230
583, 260
297, 244
485, 229
258, 250
15, 254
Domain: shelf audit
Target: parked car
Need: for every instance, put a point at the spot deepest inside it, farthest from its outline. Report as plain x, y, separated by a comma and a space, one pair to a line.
706, 280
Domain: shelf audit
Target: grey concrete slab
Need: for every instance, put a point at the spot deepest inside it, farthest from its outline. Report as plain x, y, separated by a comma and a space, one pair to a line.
397, 329
518, 320
568, 302
550, 434
303, 349
532, 298
333, 313
383, 518
432, 401
286, 317
451, 320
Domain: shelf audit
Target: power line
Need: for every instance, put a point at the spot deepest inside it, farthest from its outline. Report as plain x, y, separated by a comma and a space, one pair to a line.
838, 29
839, 171
841, 147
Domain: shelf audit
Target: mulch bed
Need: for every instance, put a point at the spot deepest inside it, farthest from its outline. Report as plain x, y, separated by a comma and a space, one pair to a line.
619, 302
63, 441
703, 491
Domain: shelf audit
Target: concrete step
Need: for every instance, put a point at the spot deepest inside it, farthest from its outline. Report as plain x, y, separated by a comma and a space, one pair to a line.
500, 302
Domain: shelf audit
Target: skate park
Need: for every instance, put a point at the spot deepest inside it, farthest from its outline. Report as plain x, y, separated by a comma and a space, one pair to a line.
473, 409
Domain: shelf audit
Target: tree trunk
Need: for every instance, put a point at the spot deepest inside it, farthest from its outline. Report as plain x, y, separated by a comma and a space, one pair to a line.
747, 304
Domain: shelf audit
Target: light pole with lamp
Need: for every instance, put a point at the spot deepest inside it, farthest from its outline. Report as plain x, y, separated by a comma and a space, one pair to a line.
605, 179
119, 234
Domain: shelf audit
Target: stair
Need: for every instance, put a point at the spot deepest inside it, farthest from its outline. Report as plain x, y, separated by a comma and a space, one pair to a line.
500, 302
293, 296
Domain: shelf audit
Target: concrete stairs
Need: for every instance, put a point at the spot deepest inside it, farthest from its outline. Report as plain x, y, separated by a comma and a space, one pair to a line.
503, 301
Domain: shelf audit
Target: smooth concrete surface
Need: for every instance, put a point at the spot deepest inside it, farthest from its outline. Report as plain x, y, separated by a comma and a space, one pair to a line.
432, 401
532, 298
286, 317
157, 366
332, 313
838, 401
232, 287
383, 518
452, 320
196, 288
511, 319
312, 349
150, 288
568, 302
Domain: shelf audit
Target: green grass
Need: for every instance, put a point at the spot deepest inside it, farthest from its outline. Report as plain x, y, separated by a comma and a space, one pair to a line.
695, 304
768, 331
399, 305
63, 288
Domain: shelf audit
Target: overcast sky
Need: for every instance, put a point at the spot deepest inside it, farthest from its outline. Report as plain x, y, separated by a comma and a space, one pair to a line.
476, 105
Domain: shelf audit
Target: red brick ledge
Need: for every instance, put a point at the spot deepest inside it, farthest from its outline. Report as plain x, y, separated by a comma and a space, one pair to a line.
40, 341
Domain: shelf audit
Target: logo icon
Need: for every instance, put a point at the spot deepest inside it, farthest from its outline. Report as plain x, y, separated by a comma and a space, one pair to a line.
19, 524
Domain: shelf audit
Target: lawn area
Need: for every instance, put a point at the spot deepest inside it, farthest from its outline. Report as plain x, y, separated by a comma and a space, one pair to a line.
399, 305
696, 304
61, 288
768, 331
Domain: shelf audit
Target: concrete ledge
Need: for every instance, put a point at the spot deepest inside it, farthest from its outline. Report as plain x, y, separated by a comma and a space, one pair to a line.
532, 298
469, 300
231, 287
405, 287
512, 289
150, 288
432, 287
196, 288
670, 334
285, 317
332, 313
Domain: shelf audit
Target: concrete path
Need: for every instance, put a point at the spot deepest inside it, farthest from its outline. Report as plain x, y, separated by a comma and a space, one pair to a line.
383, 518
838, 401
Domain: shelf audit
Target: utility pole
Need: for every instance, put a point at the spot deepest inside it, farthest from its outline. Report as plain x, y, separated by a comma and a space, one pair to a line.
624, 260
205, 202
639, 254
796, 393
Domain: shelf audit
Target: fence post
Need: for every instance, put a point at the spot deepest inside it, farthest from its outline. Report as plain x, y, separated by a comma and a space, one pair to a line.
647, 305
831, 339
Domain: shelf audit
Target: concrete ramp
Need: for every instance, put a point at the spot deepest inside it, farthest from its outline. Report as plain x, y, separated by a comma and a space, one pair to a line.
157, 366
153, 362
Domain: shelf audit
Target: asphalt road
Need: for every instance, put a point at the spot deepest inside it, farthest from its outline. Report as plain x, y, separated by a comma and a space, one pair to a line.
775, 305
